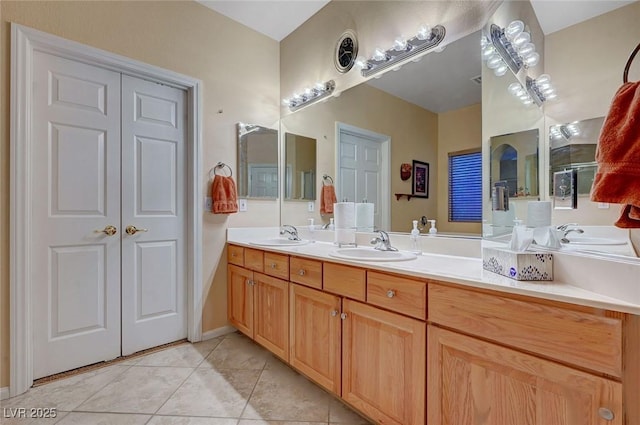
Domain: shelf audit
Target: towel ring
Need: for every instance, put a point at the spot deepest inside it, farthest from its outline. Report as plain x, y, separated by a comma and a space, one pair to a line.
220, 165
326, 177
625, 76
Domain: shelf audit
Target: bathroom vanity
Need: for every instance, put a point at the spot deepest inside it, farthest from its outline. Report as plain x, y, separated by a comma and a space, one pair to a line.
436, 340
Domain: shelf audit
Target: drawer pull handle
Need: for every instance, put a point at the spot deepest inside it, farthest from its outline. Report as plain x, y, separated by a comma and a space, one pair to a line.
391, 293
334, 313
606, 414
250, 282
234, 255
343, 316
301, 272
274, 265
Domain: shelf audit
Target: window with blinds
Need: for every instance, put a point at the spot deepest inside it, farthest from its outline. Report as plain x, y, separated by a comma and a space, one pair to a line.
465, 186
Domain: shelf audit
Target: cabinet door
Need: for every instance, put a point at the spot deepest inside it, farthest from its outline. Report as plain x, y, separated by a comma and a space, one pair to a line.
240, 299
472, 382
383, 364
315, 336
271, 314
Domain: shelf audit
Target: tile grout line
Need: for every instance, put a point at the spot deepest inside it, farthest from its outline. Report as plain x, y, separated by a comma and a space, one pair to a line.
253, 390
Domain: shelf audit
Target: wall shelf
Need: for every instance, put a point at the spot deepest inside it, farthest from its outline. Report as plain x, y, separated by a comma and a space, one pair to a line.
409, 196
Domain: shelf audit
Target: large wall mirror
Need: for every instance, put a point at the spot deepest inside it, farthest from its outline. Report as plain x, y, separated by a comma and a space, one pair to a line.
421, 112
568, 131
257, 161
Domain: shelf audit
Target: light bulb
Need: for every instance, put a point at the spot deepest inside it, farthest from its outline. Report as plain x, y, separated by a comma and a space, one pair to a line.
543, 79
551, 96
513, 29
494, 61
379, 55
527, 102
501, 70
549, 91
286, 102
514, 88
484, 42
320, 87
526, 49
400, 44
532, 59
521, 39
524, 96
439, 49
424, 32
488, 51
362, 63
308, 91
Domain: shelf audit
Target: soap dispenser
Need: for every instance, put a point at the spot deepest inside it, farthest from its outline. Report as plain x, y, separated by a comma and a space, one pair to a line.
432, 229
415, 239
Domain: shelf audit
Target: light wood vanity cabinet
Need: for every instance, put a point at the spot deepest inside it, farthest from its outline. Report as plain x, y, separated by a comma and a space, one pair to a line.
407, 351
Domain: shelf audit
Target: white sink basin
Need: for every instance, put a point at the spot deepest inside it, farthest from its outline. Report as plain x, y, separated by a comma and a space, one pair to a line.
584, 240
370, 254
278, 242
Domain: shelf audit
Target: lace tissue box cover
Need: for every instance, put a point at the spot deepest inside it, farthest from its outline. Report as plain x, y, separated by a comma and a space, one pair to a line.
518, 265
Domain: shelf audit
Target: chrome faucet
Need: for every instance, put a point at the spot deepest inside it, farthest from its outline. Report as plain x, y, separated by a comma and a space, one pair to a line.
382, 241
568, 228
290, 231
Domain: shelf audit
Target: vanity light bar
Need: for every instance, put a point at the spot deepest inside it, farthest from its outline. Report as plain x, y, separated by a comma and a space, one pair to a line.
536, 91
426, 39
510, 46
310, 95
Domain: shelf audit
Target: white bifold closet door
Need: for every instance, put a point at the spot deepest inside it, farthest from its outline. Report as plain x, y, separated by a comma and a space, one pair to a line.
107, 152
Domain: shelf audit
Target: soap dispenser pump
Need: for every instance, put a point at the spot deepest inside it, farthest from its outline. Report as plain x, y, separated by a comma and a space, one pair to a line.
432, 229
415, 239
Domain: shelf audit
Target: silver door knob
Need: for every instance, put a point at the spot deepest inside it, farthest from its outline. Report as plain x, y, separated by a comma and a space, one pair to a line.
109, 230
334, 313
343, 316
391, 293
606, 414
132, 230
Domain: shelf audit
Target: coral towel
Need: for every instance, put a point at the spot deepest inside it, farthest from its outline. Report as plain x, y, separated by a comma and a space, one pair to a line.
618, 156
224, 195
327, 199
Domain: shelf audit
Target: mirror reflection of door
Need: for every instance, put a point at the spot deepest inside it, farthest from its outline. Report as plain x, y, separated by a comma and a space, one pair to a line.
257, 175
363, 170
300, 167
514, 159
509, 168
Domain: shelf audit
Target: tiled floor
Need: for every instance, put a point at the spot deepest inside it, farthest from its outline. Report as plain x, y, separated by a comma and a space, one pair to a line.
222, 381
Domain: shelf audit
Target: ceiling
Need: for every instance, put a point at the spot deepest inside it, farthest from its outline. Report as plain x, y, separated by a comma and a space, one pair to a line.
450, 84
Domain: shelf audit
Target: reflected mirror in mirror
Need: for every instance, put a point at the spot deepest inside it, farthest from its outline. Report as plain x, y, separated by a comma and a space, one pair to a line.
572, 146
300, 168
257, 161
514, 159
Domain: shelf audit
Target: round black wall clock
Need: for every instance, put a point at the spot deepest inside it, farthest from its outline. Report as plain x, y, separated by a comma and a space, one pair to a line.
346, 51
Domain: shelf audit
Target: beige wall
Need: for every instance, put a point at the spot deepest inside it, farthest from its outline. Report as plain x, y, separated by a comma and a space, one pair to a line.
458, 130
184, 37
413, 132
585, 62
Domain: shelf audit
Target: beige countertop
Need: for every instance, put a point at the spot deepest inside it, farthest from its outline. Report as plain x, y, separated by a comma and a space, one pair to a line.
467, 270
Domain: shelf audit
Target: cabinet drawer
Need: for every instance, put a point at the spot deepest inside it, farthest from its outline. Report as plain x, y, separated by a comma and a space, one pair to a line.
253, 259
344, 280
306, 272
581, 338
406, 296
235, 255
276, 265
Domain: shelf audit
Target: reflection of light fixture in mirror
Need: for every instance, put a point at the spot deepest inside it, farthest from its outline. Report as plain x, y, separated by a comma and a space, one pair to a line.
247, 128
536, 91
310, 95
564, 131
509, 47
402, 49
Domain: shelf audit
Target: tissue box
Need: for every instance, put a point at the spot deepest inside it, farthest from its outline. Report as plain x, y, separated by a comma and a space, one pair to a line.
518, 265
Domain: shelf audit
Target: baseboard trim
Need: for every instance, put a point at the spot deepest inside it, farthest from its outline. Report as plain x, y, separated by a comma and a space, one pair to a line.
4, 393
214, 333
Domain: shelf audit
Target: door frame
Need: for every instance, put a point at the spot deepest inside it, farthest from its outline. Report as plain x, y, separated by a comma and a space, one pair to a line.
385, 166
24, 41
